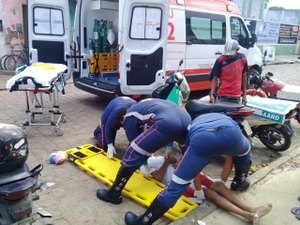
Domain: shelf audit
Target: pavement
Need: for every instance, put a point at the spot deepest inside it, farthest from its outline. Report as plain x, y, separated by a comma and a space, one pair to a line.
72, 199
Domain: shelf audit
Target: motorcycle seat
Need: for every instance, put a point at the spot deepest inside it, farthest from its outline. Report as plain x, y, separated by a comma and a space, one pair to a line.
16, 174
196, 107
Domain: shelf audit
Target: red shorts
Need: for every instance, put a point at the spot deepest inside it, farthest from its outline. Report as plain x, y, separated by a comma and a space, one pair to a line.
205, 181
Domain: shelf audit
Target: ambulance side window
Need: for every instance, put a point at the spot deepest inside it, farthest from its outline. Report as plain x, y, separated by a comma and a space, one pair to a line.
205, 28
145, 23
239, 31
48, 21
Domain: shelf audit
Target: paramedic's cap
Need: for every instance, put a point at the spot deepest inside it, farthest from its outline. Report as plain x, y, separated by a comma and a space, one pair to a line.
231, 47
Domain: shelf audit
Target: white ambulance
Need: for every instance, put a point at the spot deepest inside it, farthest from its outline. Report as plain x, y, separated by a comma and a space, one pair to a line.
125, 47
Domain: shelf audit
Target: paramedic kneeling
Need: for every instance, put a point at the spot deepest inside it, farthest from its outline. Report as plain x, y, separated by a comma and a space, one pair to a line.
106, 131
210, 135
149, 125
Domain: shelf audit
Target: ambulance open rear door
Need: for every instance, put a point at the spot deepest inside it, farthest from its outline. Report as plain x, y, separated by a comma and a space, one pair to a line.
142, 45
49, 32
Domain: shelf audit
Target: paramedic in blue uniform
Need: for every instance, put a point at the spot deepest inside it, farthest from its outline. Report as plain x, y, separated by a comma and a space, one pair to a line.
210, 135
149, 125
106, 131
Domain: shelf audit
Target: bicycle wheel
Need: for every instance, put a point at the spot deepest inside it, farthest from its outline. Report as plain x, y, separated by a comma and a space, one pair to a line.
2, 59
10, 63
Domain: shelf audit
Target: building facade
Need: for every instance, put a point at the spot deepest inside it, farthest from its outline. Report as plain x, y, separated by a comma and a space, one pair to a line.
275, 28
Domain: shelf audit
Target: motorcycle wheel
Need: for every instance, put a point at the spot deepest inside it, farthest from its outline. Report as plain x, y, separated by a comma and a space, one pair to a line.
276, 139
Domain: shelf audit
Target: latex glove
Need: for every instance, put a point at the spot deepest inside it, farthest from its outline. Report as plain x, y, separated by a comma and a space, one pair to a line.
200, 195
110, 150
168, 152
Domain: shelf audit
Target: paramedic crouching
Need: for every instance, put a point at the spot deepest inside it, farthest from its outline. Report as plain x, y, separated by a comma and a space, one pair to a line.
149, 125
210, 135
106, 131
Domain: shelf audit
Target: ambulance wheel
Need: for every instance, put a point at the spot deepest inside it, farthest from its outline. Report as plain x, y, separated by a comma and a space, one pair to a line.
59, 131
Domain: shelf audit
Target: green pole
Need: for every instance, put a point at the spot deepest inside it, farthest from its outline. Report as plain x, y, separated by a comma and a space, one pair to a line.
245, 8
262, 9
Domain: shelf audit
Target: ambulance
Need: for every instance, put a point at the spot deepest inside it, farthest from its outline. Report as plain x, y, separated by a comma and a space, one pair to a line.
126, 47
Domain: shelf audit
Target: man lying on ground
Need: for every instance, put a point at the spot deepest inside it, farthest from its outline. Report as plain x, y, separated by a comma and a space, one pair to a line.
214, 190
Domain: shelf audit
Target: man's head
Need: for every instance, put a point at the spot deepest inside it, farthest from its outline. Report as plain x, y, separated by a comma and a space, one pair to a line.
121, 114
231, 48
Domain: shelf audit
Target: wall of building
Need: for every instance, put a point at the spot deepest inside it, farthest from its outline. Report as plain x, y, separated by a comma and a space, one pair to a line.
12, 20
278, 29
2, 47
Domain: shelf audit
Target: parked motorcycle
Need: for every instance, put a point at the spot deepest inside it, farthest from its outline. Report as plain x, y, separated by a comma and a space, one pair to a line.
266, 87
274, 135
17, 182
175, 88
237, 112
269, 124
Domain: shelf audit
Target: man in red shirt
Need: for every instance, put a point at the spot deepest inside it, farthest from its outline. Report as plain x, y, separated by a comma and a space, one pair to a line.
229, 75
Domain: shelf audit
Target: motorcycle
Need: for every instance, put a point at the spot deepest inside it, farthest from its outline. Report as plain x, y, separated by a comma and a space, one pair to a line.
237, 112
266, 87
175, 88
269, 124
271, 127
17, 182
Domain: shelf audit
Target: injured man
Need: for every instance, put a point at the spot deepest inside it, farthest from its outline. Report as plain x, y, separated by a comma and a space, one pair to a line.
215, 190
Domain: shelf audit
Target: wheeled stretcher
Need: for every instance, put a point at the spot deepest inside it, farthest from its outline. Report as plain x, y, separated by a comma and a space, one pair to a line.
38, 81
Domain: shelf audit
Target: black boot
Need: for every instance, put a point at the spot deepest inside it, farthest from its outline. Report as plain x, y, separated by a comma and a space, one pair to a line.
153, 213
113, 194
240, 181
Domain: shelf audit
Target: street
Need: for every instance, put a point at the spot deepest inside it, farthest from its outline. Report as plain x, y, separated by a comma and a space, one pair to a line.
72, 200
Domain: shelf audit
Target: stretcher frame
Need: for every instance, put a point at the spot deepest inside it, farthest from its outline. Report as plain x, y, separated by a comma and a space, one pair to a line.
36, 106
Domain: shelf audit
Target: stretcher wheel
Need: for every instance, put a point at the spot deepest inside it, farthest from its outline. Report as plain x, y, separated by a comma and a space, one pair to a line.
59, 131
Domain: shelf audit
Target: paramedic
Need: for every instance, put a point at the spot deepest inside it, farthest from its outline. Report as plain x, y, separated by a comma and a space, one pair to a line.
210, 135
106, 131
149, 125
229, 75
215, 190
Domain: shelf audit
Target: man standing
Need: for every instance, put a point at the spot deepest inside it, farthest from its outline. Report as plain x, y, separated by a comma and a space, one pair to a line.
229, 75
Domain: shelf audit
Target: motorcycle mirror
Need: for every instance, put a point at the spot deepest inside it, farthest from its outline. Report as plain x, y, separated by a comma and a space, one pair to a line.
265, 53
270, 74
180, 62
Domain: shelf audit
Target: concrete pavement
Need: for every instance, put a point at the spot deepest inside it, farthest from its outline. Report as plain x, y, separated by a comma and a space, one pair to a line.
72, 200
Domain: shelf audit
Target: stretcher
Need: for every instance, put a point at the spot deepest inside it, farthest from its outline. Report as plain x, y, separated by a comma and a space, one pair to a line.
140, 187
38, 81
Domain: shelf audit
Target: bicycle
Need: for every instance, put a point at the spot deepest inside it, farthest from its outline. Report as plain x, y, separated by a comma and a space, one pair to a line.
15, 59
